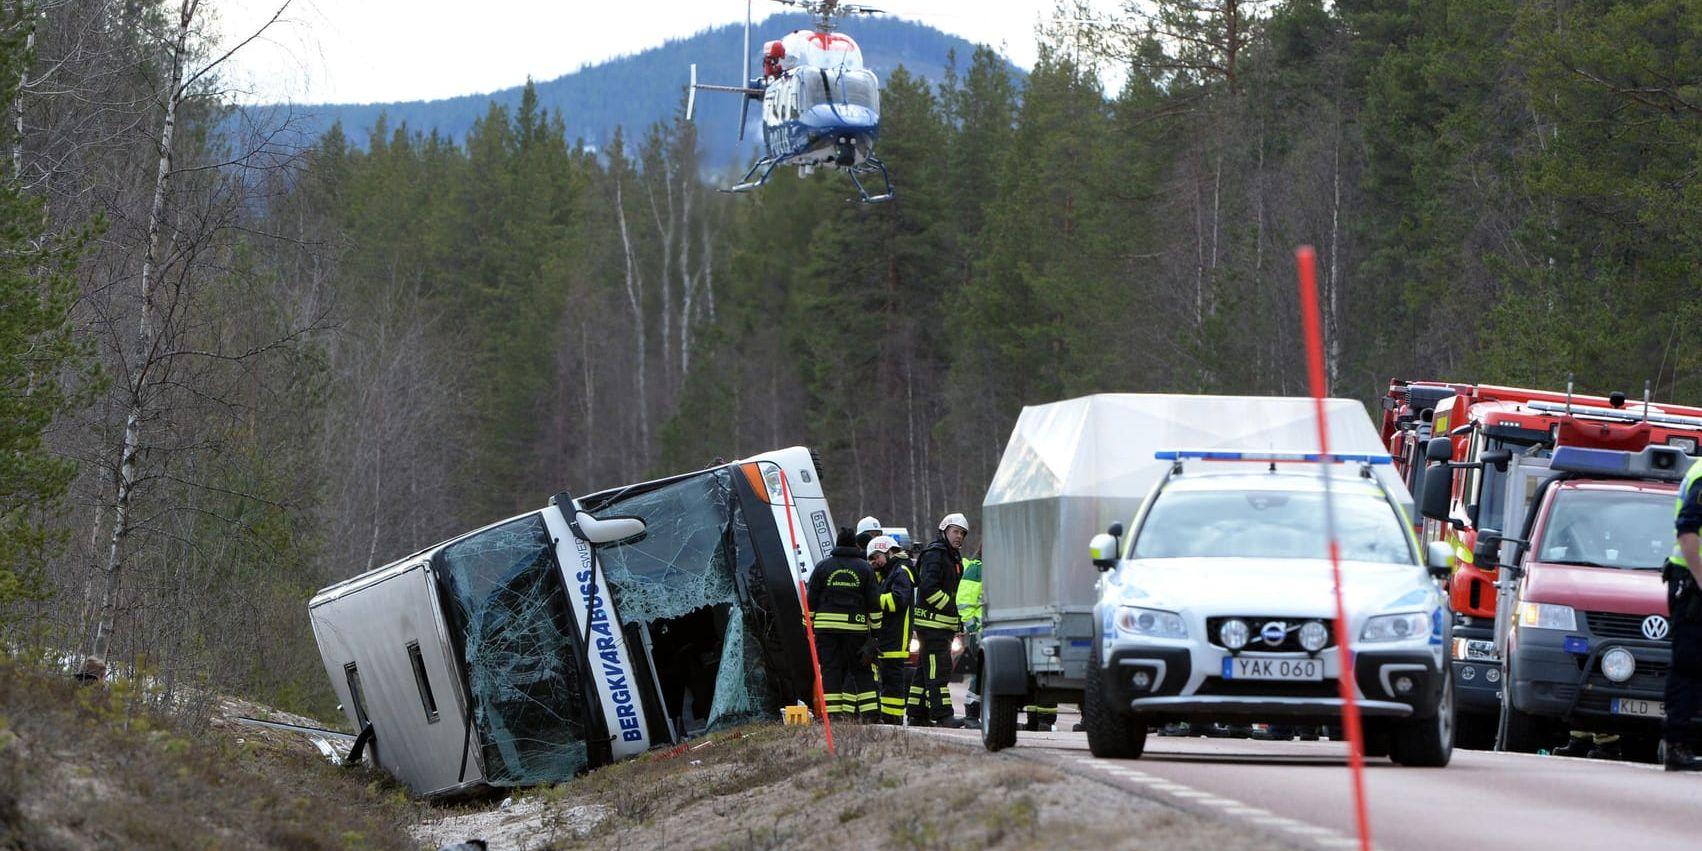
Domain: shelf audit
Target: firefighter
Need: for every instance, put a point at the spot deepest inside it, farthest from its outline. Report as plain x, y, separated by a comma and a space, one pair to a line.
867, 529
1684, 605
892, 639
938, 570
842, 603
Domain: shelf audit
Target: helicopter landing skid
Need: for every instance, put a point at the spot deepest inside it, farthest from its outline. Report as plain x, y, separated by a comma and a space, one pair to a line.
746, 184
870, 166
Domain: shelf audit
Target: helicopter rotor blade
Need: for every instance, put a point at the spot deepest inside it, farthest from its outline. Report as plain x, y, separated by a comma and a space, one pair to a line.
745, 103
691, 93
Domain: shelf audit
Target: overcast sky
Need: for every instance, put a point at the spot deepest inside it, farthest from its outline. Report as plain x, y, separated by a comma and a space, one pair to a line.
360, 51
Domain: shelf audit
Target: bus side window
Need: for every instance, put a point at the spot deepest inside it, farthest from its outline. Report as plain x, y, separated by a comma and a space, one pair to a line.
427, 701
352, 675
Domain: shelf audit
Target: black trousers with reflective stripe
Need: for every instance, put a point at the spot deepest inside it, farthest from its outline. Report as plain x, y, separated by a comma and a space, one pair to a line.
1684, 683
848, 687
893, 688
929, 698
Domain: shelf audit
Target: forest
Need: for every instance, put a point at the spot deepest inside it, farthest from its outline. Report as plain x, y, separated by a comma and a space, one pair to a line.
235, 370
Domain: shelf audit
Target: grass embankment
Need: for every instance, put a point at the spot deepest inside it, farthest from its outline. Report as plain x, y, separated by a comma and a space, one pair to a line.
92, 767
768, 786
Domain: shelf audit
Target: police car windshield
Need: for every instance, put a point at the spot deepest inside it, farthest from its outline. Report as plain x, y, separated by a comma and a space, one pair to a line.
1271, 524
1608, 528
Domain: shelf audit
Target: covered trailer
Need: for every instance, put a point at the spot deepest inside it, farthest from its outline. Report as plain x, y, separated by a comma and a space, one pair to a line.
1073, 468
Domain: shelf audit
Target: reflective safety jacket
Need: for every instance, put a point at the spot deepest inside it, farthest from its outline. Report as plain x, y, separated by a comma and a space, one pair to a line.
938, 570
842, 594
898, 594
969, 591
1687, 512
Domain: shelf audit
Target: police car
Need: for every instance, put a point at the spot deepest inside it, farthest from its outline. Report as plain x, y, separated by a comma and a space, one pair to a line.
1219, 607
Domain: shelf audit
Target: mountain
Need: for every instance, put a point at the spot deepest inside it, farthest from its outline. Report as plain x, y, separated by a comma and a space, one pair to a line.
637, 90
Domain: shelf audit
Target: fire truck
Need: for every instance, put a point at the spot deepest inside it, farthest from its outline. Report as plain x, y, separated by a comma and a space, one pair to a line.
1494, 443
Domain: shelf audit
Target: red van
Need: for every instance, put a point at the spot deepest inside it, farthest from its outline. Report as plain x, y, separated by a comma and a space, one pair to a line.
1587, 645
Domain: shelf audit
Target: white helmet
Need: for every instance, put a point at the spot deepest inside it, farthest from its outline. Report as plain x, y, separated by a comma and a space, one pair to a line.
954, 519
880, 544
868, 524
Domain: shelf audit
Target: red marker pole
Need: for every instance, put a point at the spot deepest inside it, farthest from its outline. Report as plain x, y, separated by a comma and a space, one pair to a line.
804, 603
1308, 263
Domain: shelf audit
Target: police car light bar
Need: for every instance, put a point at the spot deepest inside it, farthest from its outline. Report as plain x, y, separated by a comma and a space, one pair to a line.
1662, 463
1270, 457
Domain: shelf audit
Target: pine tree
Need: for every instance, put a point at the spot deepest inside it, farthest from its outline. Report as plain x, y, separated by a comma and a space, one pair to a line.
39, 353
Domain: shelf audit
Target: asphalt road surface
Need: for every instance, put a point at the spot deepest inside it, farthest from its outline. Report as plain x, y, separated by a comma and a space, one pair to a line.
1301, 792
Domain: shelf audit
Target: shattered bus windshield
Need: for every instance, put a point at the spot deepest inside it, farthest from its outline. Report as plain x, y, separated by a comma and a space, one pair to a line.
686, 589
508, 611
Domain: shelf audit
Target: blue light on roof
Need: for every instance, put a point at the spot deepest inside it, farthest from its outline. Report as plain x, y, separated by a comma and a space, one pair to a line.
1581, 459
1272, 457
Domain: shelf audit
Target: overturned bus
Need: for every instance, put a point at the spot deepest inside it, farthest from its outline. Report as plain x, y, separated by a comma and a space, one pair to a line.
584, 632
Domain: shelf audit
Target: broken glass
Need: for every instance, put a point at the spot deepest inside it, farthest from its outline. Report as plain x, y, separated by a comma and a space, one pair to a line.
508, 608
696, 553
682, 562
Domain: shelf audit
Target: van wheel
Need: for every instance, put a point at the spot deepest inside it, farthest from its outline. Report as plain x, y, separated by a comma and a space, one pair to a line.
1520, 732
1427, 743
998, 713
1111, 734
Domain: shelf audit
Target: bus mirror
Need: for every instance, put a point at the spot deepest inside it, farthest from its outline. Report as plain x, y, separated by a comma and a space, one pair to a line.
1116, 530
1438, 449
608, 531
1434, 494
1103, 550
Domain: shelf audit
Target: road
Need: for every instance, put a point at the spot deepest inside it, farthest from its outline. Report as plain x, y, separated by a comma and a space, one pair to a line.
1301, 791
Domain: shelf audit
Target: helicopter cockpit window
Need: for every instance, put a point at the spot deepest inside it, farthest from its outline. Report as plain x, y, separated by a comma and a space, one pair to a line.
854, 87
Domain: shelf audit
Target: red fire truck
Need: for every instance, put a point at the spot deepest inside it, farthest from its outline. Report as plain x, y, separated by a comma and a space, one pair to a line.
1494, 443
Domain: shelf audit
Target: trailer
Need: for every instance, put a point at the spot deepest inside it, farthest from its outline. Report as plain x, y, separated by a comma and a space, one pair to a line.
1073, 468
584, 632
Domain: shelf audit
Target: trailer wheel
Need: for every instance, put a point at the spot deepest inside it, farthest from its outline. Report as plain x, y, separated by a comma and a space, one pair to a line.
998, 712
1110, 734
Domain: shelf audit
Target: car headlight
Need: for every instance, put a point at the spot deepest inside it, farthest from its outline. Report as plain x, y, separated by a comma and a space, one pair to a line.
1313, 636
1547, 616
1153, 623
1234, 634
956, 644
1395, 627
1618, 664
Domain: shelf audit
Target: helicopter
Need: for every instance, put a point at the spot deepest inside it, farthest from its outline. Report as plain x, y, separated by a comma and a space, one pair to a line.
820, 106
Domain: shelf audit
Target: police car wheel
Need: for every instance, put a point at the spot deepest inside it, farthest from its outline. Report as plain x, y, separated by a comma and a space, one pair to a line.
1428, 742
1110, 734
